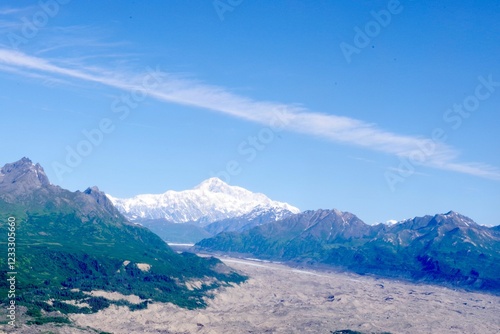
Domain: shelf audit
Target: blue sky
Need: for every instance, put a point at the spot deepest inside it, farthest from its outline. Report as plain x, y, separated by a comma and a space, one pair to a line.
386, 109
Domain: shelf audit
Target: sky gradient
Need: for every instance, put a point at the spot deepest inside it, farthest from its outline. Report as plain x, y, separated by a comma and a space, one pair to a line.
387, 109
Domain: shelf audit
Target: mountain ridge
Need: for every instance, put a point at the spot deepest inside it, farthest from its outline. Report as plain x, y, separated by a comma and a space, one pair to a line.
69, 243
446, 248
211, 200
210, 207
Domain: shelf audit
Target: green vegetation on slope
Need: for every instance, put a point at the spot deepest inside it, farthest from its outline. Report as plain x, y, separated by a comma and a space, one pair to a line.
447, 248
64, 249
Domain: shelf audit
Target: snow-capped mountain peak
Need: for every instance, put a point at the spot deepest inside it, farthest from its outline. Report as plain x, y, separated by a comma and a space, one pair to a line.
209, 201
214, 184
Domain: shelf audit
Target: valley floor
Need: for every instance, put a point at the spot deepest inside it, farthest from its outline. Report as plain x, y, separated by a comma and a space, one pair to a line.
280, 299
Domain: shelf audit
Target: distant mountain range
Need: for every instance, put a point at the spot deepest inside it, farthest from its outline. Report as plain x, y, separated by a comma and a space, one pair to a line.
69, 243
211, 207
448, 248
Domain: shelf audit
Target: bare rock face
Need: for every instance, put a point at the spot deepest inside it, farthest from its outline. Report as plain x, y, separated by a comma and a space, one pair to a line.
23, 182
71, 241
102, 200
21, 178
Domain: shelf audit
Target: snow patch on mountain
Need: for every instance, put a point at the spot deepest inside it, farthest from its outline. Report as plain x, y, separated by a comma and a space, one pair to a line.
210, 201
391, 222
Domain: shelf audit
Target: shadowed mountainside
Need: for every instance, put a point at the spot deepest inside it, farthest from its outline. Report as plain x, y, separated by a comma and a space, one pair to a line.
448, 248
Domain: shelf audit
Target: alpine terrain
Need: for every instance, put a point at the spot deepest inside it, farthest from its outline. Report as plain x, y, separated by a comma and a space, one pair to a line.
211, 207
68, 244
448, 248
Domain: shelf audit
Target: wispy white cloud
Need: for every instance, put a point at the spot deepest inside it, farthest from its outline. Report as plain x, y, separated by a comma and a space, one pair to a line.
15, 10
474, 168
11, 18
340, 129
81, 37
6, 25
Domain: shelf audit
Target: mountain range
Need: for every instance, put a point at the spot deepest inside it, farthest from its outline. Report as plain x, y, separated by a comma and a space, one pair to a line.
70, 243
448, 248
211, 207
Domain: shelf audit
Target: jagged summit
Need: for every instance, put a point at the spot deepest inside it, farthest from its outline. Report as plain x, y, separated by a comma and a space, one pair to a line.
23, 171
25, 183
451, 218
455, 215
449, 247
78, 240
22, 177
101, 198
456, 219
